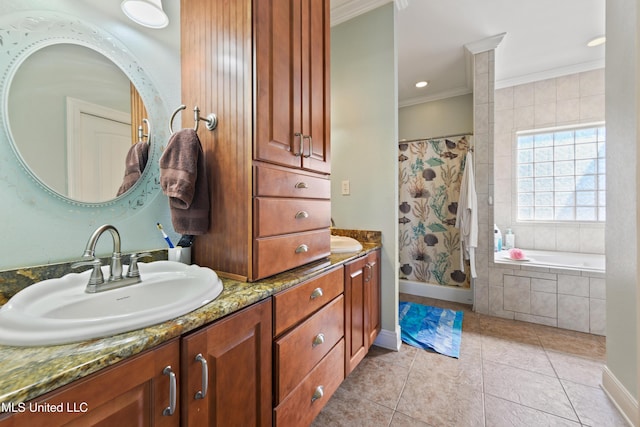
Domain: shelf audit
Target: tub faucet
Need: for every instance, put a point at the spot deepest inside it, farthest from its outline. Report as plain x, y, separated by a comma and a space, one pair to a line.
96, 281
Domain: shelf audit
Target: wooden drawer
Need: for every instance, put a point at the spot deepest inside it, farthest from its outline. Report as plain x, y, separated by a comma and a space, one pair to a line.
300, 407
283, 216
275, 182
295, 304
274, 255
296, 353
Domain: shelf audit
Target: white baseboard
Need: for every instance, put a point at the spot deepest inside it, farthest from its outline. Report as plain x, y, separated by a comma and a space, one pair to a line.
446, 293
620, 397
389, 339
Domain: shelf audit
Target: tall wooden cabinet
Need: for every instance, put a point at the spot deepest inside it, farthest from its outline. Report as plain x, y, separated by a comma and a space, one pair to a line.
263, 68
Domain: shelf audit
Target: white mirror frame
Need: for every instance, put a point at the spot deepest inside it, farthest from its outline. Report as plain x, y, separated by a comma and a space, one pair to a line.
26, 32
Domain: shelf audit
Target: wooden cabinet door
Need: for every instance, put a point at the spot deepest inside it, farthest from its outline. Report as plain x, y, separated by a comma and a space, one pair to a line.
372, 270
135, 392
226, 371
356, 314
315, 85
292, 83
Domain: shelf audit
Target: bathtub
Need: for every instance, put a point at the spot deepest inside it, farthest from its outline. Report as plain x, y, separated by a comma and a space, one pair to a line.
551, 259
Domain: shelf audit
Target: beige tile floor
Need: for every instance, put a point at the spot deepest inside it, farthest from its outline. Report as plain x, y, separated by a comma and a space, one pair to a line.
509, 373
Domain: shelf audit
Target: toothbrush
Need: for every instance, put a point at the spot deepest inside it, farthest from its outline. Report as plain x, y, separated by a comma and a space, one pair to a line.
168, 240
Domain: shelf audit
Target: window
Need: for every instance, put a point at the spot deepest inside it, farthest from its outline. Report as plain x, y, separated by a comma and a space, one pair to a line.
560, 174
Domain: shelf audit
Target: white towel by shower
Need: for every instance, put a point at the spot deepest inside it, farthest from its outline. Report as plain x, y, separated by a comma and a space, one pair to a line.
467, 217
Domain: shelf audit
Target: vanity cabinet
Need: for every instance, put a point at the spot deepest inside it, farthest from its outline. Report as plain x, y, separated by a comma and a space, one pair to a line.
263, 68
135, 392
362, 307
308, 347
226, 371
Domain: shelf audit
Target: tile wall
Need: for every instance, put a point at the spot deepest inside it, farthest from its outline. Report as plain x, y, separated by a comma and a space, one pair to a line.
572, 99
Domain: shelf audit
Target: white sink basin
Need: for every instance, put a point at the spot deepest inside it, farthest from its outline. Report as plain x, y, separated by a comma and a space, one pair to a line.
343, 244
59, 311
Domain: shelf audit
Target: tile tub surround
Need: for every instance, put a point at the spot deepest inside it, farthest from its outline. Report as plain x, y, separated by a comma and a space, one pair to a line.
561, 297
28, 372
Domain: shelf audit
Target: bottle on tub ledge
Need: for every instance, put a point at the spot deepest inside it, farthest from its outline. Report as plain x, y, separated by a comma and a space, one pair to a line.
497, 239
509, 240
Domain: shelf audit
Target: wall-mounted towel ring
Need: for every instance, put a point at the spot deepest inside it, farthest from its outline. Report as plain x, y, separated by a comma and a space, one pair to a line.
211, 120
141, 134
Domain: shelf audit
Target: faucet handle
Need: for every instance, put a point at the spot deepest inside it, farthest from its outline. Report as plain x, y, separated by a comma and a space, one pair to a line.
133, 263
96, 275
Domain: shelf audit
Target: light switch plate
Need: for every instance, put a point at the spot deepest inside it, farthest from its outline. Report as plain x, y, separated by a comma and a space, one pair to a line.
346, 188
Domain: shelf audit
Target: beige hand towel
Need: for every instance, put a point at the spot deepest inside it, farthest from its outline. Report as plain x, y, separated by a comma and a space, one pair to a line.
135, 163
183, 178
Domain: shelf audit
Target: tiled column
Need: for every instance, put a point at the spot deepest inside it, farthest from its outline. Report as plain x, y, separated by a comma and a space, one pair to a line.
482, 54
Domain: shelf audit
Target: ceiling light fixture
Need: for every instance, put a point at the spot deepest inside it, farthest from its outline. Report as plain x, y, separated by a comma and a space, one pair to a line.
421, 84
597, 41
147, 13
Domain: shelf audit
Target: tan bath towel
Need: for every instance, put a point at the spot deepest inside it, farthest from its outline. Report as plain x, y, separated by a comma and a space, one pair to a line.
183, 178
135, 163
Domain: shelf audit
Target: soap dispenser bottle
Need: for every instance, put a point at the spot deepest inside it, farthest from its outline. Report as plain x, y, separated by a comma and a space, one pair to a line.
497, 239
509, 239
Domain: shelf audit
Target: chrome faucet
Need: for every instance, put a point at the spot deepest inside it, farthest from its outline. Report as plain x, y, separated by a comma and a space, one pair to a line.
116, 280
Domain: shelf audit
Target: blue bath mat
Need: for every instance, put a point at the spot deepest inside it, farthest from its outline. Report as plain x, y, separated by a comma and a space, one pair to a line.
431, 328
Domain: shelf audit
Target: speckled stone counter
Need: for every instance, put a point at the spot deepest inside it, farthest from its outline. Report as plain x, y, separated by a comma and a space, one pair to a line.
28, 372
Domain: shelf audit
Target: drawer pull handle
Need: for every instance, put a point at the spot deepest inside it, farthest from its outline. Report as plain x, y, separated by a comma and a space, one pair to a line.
302, 248
319, 339
318, 393
302, 184
205, 377
302, 215
317, 292
169, 410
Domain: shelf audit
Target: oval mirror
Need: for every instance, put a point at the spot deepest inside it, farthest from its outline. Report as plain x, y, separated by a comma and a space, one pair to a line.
73, 116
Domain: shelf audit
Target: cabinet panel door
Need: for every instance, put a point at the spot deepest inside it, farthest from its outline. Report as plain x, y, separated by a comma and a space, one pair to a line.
373, 295
277, 40
355, 332
237, 351
132, 393
316, 101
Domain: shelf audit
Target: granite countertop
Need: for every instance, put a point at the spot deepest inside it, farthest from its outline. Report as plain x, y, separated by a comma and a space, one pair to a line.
28, 372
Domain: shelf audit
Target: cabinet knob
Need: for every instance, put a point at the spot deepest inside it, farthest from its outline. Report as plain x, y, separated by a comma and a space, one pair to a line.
317, 292
169, 410
301, 184
205, 377
302, 215
319, 339
318, 393
302, 249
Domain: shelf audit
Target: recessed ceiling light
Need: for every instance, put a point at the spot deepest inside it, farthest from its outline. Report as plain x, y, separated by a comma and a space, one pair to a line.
597, 41
423, 83
147, 13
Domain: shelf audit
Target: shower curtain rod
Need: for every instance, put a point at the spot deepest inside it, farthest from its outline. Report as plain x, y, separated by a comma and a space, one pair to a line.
404, 141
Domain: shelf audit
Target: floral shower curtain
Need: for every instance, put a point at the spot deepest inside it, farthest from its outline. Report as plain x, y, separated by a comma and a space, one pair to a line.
430, 176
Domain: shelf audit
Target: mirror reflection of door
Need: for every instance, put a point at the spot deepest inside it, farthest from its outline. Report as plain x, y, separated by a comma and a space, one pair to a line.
97, 138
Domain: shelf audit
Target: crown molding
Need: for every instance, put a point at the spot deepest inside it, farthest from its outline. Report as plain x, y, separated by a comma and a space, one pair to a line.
550, 74
353, 8
435, 97
484, 45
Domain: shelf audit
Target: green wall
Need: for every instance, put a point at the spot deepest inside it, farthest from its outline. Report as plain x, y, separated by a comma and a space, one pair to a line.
364, 137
